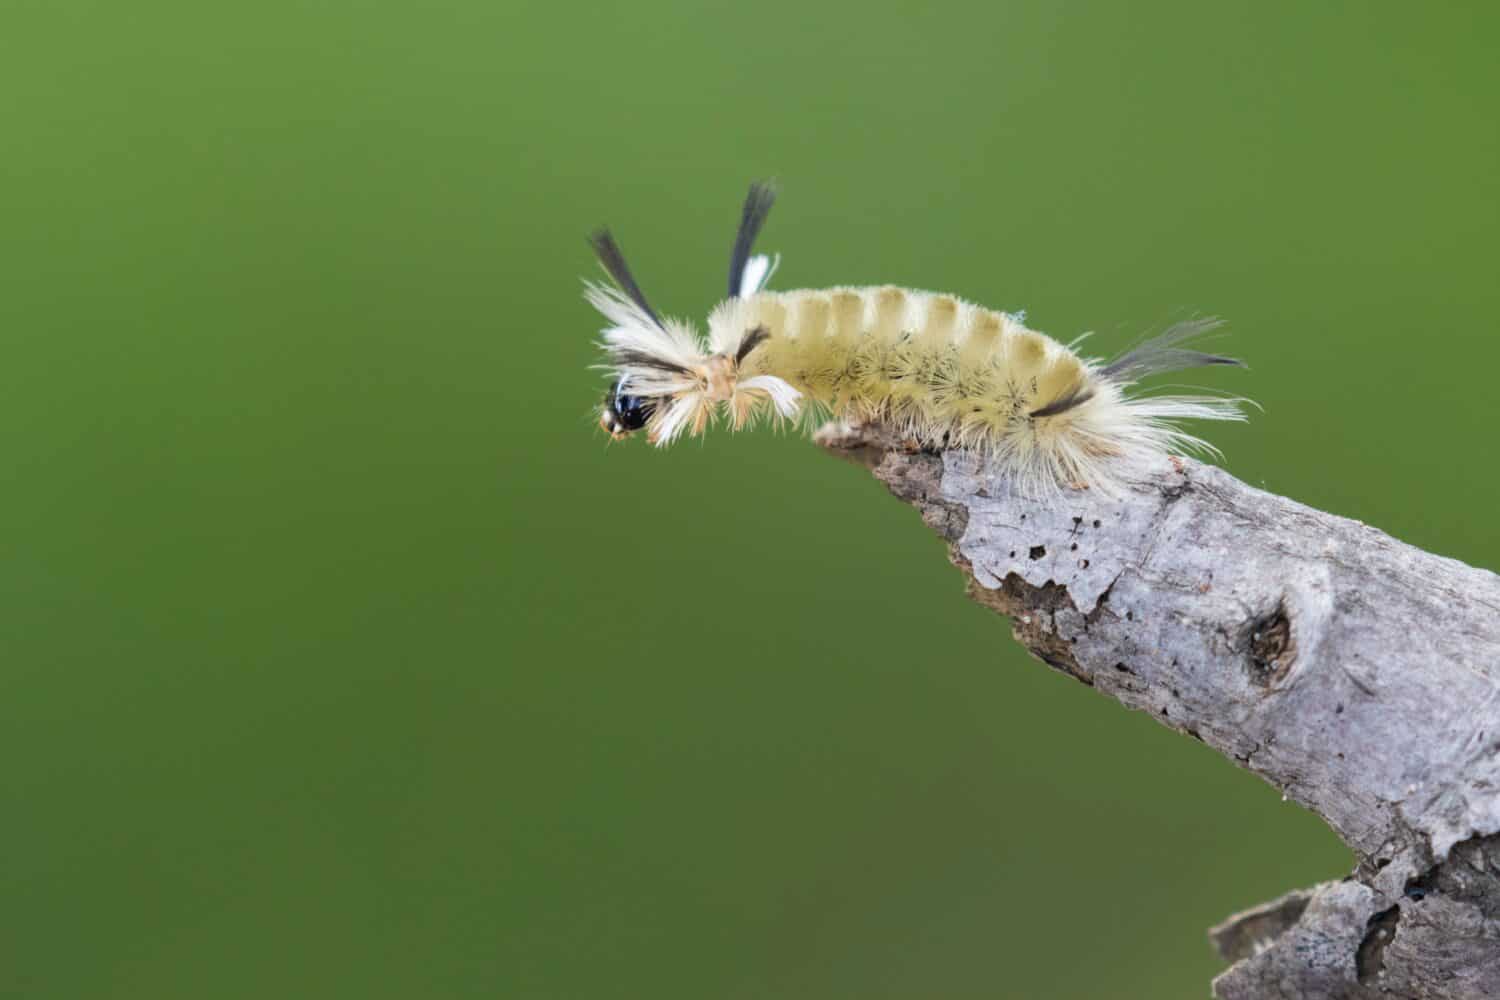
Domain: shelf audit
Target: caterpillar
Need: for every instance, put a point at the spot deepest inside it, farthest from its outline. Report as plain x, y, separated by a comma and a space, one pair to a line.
939, 370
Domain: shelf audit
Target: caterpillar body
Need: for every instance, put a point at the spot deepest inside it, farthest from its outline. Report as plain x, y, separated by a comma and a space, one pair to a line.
938, 369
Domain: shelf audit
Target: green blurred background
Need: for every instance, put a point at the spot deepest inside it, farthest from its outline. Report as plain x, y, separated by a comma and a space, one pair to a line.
342, 657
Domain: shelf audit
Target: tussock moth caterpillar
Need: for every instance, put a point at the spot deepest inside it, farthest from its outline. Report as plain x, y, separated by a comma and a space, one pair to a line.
939, 370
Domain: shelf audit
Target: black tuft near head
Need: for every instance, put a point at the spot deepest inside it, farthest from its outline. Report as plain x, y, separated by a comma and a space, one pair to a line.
750, 342
613, 261
758, 204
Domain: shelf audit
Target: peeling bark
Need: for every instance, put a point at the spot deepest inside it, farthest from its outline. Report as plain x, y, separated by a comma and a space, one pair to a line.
1356, 674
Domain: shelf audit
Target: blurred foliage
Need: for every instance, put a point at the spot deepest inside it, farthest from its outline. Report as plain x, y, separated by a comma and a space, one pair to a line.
342, 656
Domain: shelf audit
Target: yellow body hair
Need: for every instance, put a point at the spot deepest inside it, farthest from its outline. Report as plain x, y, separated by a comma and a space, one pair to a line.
940, 370
933, 364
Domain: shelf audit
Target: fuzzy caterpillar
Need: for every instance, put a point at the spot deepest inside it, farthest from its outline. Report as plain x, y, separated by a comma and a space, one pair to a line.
939, 370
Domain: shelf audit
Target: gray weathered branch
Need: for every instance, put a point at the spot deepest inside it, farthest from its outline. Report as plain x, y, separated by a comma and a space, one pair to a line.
1356, 674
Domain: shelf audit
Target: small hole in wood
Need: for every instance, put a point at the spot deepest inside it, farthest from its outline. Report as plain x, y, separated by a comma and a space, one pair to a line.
1270, 648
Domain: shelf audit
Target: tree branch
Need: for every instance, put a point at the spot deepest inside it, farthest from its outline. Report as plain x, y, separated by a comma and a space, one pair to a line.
1356, 674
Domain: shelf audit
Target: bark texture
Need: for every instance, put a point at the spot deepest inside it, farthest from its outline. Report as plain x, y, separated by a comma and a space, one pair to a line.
1356, 674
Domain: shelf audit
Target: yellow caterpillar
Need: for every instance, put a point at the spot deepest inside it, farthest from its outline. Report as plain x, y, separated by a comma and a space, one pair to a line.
940, 370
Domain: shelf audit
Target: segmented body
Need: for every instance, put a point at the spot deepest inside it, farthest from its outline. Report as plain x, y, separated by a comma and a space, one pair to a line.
940, 370
934, 364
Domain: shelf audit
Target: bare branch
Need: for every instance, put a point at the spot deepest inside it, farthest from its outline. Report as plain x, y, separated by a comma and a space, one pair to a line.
1356, 674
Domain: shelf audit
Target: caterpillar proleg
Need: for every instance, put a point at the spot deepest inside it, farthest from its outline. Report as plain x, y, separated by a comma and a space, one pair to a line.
941, 371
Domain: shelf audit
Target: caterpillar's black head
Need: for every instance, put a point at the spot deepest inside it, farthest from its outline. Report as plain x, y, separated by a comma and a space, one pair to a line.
623, 414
